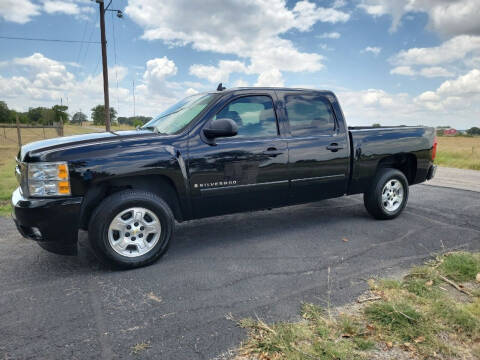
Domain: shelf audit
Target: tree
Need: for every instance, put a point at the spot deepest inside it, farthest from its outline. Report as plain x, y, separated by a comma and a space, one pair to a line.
60, 113
98, 115
473, 131
134, 120
376, 125
5, 116
137, 123
48, 116
78, 118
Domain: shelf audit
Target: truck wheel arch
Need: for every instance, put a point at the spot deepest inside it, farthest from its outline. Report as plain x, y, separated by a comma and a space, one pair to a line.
160, 185
405, 162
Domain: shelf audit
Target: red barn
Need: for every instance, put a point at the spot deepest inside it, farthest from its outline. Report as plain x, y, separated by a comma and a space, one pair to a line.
449, 132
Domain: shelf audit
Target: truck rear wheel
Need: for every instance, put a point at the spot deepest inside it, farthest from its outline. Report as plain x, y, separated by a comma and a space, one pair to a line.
131, 228
388, 194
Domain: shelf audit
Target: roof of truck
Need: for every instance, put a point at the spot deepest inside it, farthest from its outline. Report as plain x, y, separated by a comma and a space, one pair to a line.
271, 88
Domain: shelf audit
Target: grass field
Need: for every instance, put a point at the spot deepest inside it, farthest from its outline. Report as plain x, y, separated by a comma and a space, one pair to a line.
9, 149
459, 152
432, 313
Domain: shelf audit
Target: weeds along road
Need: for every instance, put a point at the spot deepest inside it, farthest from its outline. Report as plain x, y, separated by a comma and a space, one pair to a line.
264, 263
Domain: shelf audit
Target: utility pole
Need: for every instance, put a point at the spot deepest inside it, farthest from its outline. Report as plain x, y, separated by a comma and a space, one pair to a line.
106, 96
103, 40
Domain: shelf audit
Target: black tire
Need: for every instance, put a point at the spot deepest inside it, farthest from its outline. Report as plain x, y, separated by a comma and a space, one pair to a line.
110, 208
373, 197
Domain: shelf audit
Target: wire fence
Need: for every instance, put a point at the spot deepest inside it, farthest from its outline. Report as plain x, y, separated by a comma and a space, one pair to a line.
18, 134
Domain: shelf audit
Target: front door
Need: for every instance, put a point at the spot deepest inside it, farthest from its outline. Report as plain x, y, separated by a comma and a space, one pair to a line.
244, 172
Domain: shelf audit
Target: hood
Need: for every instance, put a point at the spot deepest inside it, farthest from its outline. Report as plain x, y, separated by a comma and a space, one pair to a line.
75, 140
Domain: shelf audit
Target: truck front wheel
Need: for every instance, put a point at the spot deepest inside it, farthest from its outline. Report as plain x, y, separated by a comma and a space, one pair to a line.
387, 196
131, 228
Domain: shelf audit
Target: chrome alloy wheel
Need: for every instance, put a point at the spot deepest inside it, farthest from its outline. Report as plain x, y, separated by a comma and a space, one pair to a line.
392, 195
134, 232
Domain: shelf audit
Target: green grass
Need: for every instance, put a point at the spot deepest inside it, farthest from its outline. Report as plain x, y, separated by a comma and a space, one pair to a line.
461, 266
422, 315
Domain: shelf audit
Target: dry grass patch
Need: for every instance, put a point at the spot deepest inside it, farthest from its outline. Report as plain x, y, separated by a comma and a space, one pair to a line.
459, 152
426, 315
9, 149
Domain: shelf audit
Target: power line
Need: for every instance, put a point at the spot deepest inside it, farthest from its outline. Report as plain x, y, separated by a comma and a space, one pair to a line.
81, 44
51, 40
88, 46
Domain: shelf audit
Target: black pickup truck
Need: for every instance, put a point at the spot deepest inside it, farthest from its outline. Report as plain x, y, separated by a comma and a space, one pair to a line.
214, 153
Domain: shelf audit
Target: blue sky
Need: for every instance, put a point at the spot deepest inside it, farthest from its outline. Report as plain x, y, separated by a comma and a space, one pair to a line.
389, 61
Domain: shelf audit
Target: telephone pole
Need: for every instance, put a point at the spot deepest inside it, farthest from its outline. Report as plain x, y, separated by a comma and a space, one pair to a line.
103, 40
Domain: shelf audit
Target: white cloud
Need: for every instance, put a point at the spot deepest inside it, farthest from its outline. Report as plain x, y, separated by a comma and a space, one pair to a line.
191, 91
461, 94
403, 70
435, 71
220, 73
449, 51
248, 29
44, 81
339, 3
157, 71
449, 17
68, 8
456, 17
375, 50
18, 11
468, 84
330, 35
22, 11
371, 106
429, 72
271, 77
240, 83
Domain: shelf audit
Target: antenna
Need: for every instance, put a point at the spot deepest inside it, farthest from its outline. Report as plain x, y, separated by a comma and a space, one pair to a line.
220, 87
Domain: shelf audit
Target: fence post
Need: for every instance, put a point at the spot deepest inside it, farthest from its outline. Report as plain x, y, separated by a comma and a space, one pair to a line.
59, 128
18, 133
5, 134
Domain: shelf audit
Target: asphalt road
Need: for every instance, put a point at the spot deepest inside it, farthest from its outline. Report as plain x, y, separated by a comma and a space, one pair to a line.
457, 178
263, 263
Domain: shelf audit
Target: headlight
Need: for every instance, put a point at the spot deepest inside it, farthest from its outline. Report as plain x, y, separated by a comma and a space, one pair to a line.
48, 179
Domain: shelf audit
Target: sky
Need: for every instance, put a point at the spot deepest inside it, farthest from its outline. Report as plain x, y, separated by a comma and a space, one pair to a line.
412, 62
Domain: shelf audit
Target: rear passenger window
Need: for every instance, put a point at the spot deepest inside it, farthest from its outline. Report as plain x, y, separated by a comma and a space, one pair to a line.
309, 114
253, 115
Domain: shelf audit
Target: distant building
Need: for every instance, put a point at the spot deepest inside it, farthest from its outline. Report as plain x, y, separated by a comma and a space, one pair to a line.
450, 132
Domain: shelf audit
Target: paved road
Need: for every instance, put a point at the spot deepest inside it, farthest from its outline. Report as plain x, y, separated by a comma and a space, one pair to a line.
262, 263
457, 178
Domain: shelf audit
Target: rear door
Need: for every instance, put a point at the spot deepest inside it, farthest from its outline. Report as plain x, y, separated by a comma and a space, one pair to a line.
246, 172
319, 154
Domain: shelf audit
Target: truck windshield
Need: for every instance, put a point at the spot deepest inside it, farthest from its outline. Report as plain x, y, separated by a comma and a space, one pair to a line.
177, 117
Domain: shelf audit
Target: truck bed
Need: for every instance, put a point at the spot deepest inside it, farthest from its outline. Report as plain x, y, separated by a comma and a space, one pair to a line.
372, 147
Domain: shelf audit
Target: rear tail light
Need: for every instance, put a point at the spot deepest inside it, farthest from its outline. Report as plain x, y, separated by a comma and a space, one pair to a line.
434, 149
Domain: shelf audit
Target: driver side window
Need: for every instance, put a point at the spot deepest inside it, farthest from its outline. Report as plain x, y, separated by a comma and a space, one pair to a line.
254, 116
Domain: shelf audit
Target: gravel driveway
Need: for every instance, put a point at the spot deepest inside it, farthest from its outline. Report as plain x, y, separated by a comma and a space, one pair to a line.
264, 263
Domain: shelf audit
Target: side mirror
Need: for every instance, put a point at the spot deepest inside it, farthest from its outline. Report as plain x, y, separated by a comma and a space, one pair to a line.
221, 128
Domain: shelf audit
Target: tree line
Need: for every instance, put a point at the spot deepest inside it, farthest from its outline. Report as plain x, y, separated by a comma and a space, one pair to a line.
38, 115
58, 113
